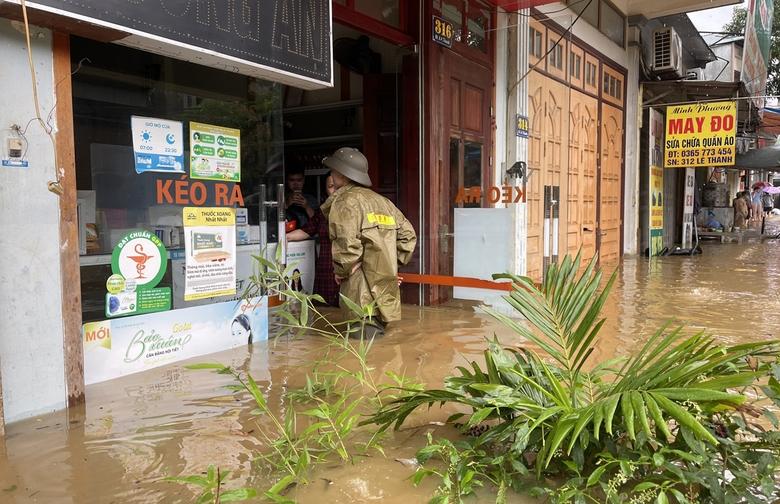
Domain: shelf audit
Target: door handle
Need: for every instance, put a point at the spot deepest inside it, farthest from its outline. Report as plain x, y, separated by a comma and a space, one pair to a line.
589, 230
603, 233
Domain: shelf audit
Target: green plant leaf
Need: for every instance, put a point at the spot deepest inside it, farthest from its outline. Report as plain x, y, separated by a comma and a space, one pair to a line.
684, 418
627, 410
610, 406
596, 475
205, 498
240, 494
641, 413
479, 416
700, 395
657, 415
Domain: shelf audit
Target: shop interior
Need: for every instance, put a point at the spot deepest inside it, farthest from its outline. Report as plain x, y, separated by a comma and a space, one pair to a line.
365, 109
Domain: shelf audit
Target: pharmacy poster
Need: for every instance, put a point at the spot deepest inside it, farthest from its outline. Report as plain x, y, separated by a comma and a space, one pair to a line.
656, 183
138, 264
303, 254
114, 348
215, 153
158, 145
701, 134
210, 252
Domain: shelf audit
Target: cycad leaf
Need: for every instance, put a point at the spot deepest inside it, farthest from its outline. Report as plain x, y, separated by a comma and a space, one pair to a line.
658, 417
641, 413
684, 418
628, 414
609, 412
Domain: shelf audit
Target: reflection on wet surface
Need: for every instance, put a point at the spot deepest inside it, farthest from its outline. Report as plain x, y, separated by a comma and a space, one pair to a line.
170, 421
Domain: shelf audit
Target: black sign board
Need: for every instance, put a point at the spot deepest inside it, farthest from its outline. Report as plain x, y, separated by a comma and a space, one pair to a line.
442, 31
283, 40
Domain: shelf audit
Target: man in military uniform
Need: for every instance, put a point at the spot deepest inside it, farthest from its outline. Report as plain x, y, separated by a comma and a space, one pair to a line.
370, 236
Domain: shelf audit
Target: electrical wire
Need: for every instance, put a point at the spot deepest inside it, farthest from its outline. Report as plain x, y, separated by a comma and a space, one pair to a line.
550, 49
54, 186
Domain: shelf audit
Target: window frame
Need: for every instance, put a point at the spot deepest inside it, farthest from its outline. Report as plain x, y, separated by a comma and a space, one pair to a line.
572, 4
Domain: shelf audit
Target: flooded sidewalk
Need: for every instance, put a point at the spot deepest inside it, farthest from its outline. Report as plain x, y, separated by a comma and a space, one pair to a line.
170, 421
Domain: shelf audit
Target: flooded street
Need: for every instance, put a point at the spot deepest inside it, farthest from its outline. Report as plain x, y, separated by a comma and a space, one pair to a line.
171, 421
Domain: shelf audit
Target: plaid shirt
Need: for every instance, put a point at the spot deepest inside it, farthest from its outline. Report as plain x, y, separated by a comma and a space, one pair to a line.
324, 281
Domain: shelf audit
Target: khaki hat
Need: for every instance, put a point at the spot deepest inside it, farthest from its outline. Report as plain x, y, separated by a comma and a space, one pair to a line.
351, 163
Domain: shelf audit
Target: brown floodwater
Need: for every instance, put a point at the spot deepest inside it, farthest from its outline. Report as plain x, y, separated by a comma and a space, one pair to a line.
135, 430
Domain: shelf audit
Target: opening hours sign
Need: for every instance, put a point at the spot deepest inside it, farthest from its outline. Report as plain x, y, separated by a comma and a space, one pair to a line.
700, 134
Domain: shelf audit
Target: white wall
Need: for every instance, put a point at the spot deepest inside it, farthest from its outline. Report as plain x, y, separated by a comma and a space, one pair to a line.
31, 346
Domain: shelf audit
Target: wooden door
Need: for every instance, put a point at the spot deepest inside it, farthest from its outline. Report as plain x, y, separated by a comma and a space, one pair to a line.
466, 130
581, 194
610, 181
548, 99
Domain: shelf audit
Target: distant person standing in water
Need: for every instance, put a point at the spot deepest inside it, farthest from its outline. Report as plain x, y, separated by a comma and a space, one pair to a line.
740, 211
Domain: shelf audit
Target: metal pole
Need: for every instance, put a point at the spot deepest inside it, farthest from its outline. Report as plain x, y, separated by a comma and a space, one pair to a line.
282, 239
262, 222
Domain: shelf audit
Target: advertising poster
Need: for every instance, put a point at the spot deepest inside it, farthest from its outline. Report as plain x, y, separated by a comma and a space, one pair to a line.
302, 254
656, 184
687, 224
702, 134
210, 252
114, 348
215, 153
138, 263
158, 145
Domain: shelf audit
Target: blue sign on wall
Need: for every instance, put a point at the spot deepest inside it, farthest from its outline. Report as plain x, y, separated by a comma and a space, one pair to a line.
158, 145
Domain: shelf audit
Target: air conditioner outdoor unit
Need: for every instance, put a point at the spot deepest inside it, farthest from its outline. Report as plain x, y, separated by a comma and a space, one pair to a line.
694, 74
667, 52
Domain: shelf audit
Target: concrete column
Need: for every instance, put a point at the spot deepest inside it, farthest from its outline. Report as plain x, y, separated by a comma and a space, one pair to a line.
31, 345
631, 160
517, 148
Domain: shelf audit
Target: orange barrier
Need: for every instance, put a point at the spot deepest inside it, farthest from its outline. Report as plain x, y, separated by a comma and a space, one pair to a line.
453, 281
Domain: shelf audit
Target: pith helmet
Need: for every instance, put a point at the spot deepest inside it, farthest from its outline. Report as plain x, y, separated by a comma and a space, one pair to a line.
351, 163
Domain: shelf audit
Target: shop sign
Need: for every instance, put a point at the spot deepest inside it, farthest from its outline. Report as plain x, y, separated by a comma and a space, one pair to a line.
114, 348
443, 31
215, 153
701, 134
495, 194
522, 126
758, 41
210, 252
158, 145
287, 41
138, 263
655, 194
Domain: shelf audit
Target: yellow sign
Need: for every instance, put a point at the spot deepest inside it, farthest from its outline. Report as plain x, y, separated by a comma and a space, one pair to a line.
381, 219
702, 134
195, 216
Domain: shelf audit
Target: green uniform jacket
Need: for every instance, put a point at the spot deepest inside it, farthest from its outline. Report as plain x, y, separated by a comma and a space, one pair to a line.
367, 228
